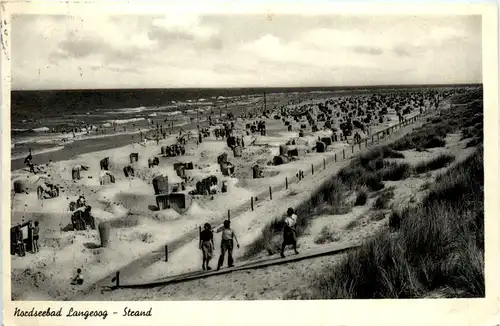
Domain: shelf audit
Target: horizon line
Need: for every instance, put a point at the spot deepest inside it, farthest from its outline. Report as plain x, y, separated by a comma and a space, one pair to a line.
244, 87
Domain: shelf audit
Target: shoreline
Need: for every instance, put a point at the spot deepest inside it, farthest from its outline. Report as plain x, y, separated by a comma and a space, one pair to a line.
114, 141
84, 146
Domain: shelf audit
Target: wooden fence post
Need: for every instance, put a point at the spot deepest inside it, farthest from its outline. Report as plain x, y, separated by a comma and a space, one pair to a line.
166, 252
286, 182
324, 164
352, 148
117, 279
252, 202
343, 152
312, 169
229, 214
270, 193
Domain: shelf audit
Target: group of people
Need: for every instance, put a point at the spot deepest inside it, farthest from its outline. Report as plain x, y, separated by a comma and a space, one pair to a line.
18, 239
227, 244
80, 216
206, 243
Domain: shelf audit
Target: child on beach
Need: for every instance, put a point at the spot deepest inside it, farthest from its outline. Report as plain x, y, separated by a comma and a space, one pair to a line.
289, 232
207, 245
227, 245
78, 279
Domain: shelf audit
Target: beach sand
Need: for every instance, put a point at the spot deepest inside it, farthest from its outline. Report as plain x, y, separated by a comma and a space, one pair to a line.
129, 203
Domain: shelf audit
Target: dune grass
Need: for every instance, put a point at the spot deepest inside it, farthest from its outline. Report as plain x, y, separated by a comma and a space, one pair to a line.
361, 197
326, 236
434, 164
383, 199
370, 170
329, 198
440, 245
467, 117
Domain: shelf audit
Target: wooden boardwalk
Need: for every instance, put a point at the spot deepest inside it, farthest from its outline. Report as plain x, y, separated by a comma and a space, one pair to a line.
255, 264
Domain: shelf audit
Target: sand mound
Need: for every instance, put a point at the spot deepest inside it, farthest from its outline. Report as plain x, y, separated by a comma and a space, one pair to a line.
131, 186
268, 140
102, 214
289, 134
166, 215
135, 203
196, 210
118, 210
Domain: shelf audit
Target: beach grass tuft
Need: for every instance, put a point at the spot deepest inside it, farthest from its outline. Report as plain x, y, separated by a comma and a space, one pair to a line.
434, 164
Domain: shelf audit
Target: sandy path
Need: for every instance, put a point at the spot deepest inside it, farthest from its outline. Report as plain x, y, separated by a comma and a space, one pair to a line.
242, 285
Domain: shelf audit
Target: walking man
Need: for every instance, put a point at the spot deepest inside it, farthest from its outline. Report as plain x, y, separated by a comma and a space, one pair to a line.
227, 245
207, 245
289, 232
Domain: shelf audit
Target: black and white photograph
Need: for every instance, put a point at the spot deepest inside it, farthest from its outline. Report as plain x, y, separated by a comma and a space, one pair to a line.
184, 156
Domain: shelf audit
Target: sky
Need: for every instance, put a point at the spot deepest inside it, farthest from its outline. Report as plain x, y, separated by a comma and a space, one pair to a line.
169, 51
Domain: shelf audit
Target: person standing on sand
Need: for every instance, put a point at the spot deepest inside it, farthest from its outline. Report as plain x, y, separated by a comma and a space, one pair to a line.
289, 232
207, 245
19, 241
227, 245
36, 230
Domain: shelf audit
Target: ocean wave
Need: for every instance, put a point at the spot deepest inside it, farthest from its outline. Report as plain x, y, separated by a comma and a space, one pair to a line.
36, 152
62, 140
181, 124
123, 121
40, 129
172, 113
46, 139
127, 110
139, 109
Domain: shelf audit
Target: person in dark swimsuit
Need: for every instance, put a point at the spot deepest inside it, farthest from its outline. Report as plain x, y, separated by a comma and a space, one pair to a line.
207, 245
36, 231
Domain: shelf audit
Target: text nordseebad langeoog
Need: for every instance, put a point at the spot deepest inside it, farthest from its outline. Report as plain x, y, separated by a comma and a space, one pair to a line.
127, 312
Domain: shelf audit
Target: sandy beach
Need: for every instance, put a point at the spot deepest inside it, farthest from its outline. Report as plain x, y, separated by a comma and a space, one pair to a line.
138, 228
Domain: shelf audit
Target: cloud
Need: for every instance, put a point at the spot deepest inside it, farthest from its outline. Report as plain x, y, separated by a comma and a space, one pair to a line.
70, 48
189, 50
174, 29
408, 50
370, 50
